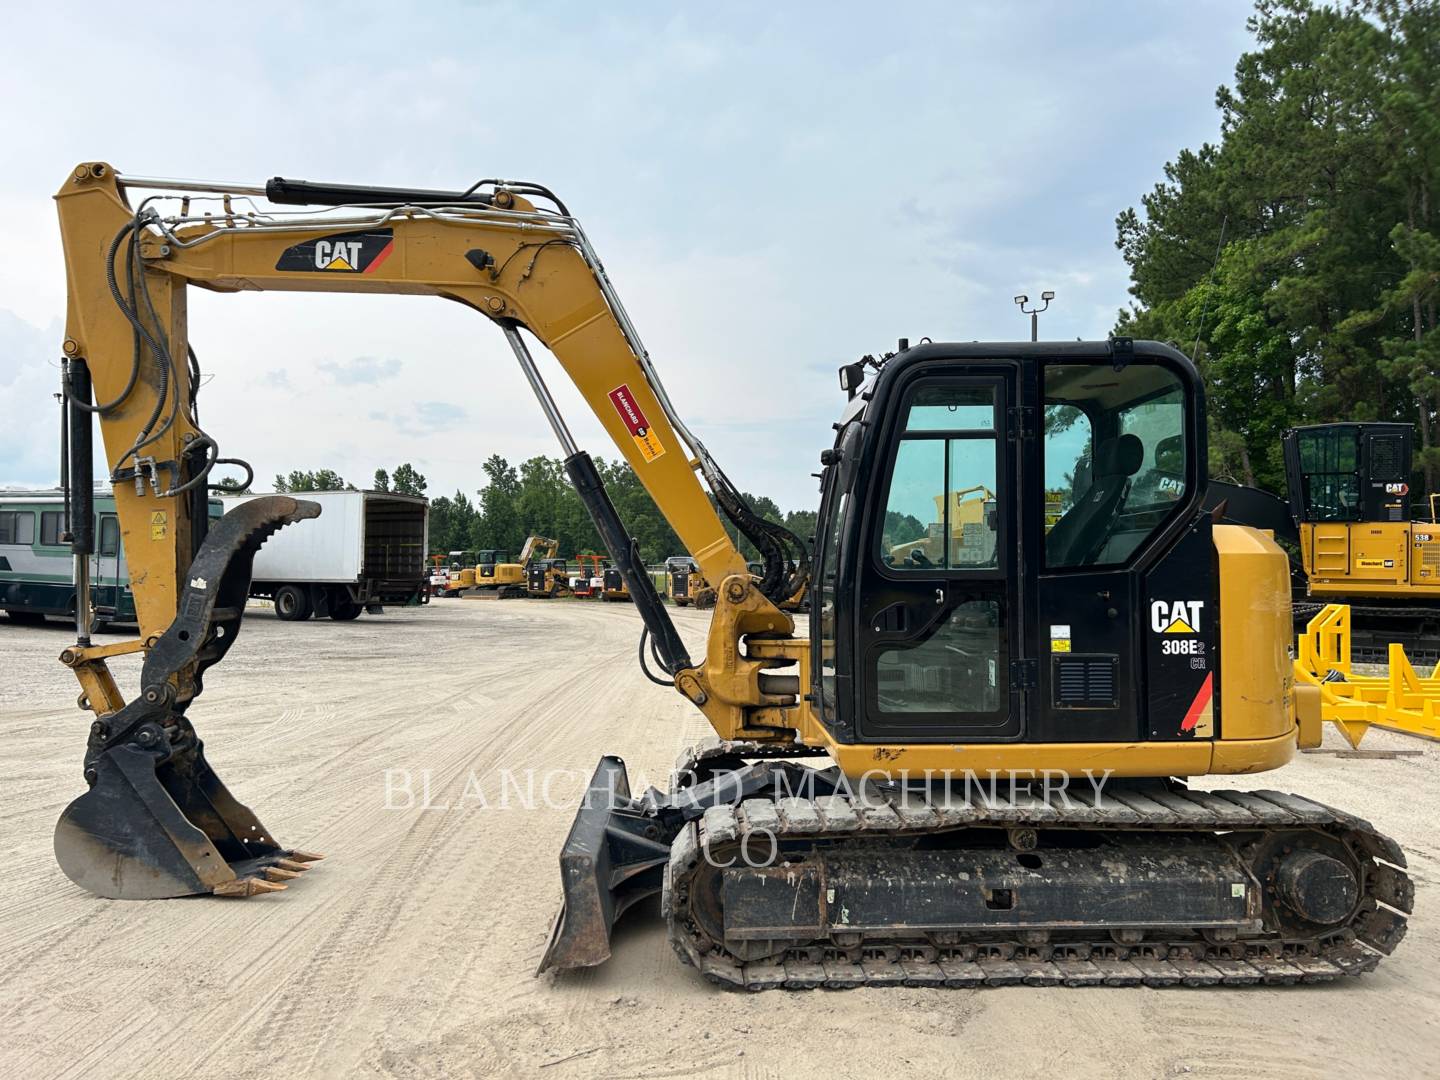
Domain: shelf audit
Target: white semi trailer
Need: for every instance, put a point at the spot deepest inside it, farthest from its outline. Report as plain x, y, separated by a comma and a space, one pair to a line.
366, 549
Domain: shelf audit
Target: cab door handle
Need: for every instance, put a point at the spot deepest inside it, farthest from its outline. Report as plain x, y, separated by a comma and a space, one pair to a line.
894, 619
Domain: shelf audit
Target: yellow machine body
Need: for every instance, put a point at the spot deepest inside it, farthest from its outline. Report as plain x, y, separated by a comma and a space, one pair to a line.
1383, 559
512, 578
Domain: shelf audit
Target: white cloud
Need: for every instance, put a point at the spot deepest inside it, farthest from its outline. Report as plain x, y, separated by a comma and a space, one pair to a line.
363, 370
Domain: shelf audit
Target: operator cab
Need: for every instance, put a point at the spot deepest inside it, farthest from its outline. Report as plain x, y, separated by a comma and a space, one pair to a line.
486, 559
1349, 472
999, 527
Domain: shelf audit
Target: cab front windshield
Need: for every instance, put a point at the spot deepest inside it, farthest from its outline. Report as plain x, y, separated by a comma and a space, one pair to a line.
1115, 452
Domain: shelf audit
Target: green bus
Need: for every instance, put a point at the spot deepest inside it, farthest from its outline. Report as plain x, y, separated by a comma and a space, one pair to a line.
37, 571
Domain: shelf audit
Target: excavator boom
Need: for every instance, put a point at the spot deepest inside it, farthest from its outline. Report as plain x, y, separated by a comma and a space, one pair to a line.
134, 245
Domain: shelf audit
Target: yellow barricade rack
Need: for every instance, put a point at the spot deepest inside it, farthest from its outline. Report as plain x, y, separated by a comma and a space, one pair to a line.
1400, 700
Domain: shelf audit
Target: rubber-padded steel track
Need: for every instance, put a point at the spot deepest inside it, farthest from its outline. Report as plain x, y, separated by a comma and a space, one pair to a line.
1375, 928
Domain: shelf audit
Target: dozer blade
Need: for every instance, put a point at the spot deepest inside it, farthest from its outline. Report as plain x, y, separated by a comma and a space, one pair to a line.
614, 856
157, 821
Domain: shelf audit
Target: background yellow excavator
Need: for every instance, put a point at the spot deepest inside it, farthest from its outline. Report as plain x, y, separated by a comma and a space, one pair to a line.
486, 560
1351, 527
511, 579
547, 578
970, 522
461, 573
1133, 644
685, 584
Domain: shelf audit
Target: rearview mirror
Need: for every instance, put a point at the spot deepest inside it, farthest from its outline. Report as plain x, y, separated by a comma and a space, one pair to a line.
1170, 455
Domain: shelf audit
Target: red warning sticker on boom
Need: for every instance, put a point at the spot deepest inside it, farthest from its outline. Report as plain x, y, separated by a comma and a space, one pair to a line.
625, 404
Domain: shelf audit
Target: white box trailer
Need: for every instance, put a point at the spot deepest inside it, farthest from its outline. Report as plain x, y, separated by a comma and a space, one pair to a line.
366, 549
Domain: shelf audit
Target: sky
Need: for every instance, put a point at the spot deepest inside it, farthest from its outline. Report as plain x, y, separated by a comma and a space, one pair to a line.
775, 189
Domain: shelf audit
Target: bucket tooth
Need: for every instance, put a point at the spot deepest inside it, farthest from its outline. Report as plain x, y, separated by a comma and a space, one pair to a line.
247, 887
303, 856
275, 873
296, 868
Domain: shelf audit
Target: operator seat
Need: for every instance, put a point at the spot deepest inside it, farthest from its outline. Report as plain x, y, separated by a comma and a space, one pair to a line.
1080, 535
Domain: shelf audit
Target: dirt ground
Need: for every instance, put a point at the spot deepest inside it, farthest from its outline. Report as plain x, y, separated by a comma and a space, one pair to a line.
410, 951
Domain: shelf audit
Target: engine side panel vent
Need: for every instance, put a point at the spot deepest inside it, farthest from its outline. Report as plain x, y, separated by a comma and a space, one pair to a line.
1085, 681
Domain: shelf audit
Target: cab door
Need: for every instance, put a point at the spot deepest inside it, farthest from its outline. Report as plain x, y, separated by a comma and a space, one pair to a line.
937, 610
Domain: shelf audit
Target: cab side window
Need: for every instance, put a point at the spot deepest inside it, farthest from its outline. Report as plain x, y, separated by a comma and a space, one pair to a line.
1330, 473
829, 580
1069, 457
50, 527
942, 522
1115, 457
940, 512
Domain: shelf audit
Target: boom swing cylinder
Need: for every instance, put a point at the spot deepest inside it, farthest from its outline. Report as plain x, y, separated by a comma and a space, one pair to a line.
1015, 578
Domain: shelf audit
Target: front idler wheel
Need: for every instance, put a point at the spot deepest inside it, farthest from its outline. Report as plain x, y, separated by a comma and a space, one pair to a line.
1318, 888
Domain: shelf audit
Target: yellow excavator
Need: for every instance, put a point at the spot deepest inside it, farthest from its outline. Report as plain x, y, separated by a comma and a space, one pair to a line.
513, 579
1350, 526
548, 578
486, 560
685, 584
970, 522
973, 768
461, 573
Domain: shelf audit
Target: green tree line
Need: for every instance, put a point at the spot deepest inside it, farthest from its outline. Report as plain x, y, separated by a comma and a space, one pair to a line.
1297, 260
311, 480
536, 498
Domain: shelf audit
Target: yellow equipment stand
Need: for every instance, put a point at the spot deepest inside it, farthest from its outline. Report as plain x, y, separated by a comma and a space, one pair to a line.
1400, 700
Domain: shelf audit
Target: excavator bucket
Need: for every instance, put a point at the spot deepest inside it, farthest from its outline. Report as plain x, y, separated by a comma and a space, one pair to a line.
151, 829
614, 856
157, 821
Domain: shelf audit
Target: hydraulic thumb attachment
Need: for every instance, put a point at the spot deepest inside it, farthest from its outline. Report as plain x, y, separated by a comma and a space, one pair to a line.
157, 821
